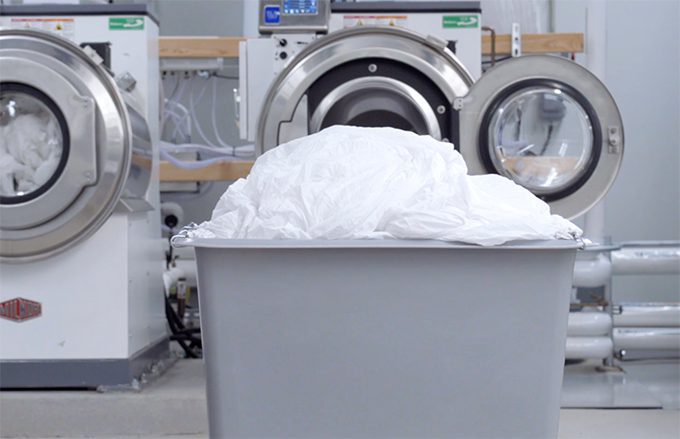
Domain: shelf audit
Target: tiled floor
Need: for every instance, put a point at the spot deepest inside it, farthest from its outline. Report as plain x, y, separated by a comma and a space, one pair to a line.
175, 406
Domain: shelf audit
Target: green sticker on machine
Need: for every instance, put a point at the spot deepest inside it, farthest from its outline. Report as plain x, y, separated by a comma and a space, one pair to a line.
126, 23
460, 21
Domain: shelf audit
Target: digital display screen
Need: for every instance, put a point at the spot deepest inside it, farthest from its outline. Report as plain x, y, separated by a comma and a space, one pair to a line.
300, 7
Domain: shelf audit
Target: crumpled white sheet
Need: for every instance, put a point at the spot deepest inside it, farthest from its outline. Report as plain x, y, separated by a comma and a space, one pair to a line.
29, 153
358, 183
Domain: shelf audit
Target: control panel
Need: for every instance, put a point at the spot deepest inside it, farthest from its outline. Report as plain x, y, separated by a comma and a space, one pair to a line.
294, 16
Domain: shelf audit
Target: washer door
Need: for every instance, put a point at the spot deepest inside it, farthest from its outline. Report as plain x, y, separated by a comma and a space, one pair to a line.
65, 145
548, 124
368, 76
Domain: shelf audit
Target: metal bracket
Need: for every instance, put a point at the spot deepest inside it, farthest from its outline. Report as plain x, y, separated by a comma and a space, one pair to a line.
614, 139
516, 48
126, 81
93, 55
132, 205
458, 104
436, 41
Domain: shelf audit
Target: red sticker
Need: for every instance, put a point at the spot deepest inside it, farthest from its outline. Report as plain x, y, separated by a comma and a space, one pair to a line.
20, 309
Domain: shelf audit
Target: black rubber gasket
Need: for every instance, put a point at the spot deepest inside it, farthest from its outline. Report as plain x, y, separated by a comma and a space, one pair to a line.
66, 140
484, 141
448, 122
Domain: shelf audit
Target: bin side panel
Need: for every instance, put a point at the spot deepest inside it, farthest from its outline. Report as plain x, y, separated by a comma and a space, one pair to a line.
384, 342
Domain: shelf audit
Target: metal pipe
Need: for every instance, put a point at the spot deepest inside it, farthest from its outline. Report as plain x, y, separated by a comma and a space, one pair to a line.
579, 348
647, 338
589, 324
647, 315
592, 271
492, 31
661, 259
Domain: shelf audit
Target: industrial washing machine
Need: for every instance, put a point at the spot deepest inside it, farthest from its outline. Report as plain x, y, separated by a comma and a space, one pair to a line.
81, 296
543, 121
288, 26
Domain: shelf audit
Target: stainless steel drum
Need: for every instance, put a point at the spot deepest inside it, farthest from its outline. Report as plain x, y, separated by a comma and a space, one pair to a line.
70, 145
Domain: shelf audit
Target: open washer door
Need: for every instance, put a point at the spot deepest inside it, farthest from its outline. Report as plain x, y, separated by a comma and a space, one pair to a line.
548, 124
372, 76
66, 146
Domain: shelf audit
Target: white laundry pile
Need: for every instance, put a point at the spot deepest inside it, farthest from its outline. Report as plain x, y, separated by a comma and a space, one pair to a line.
359, 183
30, 151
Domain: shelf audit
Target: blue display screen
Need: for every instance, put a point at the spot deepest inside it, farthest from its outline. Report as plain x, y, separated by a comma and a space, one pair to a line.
300, 7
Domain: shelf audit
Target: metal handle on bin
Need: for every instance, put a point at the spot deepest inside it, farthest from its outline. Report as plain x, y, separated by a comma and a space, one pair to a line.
182, 238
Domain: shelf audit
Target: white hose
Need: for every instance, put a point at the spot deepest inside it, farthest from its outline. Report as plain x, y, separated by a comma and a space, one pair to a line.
177, 121
192, 165
196, 147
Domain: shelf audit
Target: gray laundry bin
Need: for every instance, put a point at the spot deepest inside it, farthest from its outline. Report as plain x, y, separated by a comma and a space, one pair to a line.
383, 339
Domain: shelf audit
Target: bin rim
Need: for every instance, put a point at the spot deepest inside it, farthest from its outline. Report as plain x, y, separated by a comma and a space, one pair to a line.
217, 243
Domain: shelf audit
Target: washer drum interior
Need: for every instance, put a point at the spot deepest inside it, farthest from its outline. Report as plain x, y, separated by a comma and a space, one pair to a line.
71, 145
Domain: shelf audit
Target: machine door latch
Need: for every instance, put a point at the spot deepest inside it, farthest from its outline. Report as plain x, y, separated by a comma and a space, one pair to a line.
614, 139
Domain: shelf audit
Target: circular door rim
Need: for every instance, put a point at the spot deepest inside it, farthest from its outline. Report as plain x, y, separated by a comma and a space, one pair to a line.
113, 143
537, 69
426, 54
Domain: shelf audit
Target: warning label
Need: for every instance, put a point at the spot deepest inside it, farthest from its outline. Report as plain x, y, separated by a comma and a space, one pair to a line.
375, 20
64, 27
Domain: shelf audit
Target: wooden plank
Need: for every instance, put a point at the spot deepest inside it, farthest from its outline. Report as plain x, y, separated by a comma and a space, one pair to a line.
227, 47
537, 43
199, 47
223, 171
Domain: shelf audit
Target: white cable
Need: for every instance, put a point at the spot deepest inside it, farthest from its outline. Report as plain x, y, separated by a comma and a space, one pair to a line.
176, 121
179, 119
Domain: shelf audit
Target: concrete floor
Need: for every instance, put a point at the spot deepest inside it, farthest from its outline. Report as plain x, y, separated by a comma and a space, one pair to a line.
175, 406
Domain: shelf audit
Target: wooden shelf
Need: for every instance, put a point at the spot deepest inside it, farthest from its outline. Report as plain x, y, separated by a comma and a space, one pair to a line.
227, 47
536, 43
224, 171
199, 47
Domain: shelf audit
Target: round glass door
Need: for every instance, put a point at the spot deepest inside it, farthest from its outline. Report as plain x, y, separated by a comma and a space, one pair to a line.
549, 125
543, 137
33, 143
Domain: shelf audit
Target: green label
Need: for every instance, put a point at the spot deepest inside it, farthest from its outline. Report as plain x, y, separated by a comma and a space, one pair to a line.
126, 23
458, 21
